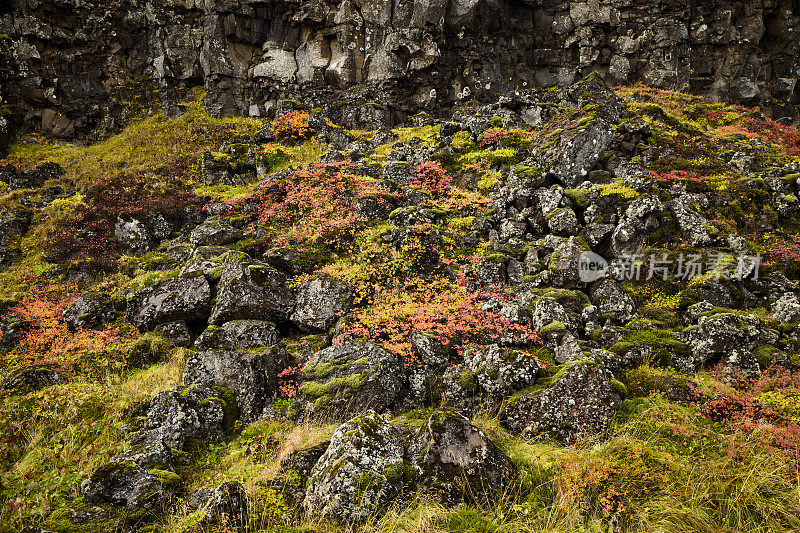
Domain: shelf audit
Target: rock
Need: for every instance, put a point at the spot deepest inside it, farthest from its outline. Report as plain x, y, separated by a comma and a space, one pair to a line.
461, 390
425, 382
500, 372
238, 335
563, 222
320, 303
168, 424
581, 403
90, 310
612, 300
182, 298
215, 232
456, 459
787, 309
350, 378
628, 237
129, 484
133, 235
729, 337
215, 169
251, 377
745, 92
359, 474
563, 264
30, 379
695, 311
225, 506
692, 224
249, 289
176, 333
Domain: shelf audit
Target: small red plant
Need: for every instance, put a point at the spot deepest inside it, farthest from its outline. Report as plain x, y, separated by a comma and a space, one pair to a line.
292, 127
432, 178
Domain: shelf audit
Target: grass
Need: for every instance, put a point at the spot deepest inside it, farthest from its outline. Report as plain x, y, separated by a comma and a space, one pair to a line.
152, 147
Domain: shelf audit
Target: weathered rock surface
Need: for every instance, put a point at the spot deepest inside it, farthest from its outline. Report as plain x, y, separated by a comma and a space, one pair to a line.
350, 378
251, 376
360, 473
249, 289
457, 459
182, 298
320, 303
29, 379
581, 403
248, 55
238, 335
90, 310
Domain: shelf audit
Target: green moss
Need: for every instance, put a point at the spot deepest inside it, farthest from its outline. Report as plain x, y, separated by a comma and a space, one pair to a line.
467, 380
553, 327
166, 477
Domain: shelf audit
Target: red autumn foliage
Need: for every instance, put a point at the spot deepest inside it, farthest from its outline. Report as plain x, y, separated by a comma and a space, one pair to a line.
45, 340
432, 178
677, 176
444, 309
292, 127
87, 234
314, 210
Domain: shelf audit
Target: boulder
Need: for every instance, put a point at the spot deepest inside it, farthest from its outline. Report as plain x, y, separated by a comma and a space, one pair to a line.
215, 232
500, 372
691, 223
30, 379
320, 303
611, 299
457, 460
580, 403
359, 474
182, 298
238, 335
90, 310
728, 337
253, 290
162, 428
350, 378
225, 506
251, 376
787, 309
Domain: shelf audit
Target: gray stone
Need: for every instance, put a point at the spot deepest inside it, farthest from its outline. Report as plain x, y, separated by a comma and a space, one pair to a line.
182, 298
320, 303
359, 474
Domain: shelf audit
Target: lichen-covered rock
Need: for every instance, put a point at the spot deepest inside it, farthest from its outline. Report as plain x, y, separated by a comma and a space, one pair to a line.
129, 484
500, 372
425, 382
30, 379
580, 403
182, 298
225, 506
612, 300
359, 474
321, 302
563, 265
216, 169
350, 378
249, 289
215, 232
563, 222
251, 376
693, 225
787, 309
456, 459
238, 335
90, 310
176, 333
727, 337
461, 389
164, 427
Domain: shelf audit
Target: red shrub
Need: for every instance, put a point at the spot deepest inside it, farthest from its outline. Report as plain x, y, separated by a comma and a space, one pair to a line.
432, 178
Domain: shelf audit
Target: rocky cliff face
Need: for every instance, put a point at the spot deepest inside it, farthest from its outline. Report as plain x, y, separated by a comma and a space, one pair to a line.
79, 67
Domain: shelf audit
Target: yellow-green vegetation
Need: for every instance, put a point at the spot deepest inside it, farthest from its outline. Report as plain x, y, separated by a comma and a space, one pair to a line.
153, 146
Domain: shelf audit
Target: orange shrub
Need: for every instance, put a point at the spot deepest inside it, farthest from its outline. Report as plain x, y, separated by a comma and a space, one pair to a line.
292, 127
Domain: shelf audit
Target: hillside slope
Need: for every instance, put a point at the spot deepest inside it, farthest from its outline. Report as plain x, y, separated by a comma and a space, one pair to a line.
574, 309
